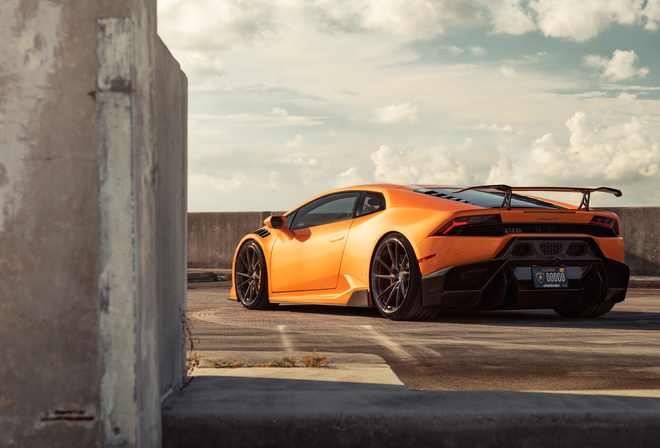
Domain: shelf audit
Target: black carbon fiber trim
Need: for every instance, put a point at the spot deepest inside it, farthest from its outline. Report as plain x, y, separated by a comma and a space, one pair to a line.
538, 228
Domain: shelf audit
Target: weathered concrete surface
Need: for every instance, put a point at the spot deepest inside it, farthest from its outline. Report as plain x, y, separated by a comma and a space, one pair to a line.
642, 282
49, 259
212, 237
118, 288
602, 373
321, 410
56, 235
640, 229
171, 107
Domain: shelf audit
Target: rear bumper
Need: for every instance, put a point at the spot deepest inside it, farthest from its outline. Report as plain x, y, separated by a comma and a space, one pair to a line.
506, 281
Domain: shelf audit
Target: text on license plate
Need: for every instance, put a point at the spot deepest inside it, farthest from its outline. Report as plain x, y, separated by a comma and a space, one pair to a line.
554, 277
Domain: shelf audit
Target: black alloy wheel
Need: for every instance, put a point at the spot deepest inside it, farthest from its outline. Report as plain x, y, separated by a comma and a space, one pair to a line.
251, 279
396, 283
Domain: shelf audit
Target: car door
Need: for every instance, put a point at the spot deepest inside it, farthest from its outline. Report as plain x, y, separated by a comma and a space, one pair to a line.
308, 256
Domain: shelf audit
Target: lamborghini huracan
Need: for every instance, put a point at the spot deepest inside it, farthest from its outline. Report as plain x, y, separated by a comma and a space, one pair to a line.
413, 251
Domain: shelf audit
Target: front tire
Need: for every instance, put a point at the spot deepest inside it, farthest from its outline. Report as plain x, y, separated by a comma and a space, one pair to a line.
251, 278
396, 282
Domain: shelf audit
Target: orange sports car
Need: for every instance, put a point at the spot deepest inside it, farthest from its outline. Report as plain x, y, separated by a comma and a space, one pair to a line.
412, 251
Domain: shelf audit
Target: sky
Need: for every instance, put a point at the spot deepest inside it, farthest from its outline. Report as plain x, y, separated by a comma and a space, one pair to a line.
291, 98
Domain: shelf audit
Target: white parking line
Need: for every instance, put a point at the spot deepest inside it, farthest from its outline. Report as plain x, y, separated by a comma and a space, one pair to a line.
388, 343
286, 342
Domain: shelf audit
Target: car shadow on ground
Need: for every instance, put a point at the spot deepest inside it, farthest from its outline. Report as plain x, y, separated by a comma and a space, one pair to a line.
621, 320
618, 320
366, 313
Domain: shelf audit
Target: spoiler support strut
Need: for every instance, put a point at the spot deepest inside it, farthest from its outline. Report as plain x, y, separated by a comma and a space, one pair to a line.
508, 192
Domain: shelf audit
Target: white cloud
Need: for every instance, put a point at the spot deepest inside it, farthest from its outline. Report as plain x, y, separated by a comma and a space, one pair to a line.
411, 18
302, 160
271, 77
273, 180
579, 21
278, 118
652, 14
454, 50
508, 16
200, 64
395, 113
296, 141
619, 68
508, 72
628, 98
583, 20
617, 154
504, 133
308, 169
403, 17
279, 112
201, 181
423, 165
349, 177
214, 25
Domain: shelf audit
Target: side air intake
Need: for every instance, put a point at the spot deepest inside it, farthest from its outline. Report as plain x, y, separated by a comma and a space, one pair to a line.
263, 232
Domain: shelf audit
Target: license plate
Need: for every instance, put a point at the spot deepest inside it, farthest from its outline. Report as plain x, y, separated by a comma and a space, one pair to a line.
554, 277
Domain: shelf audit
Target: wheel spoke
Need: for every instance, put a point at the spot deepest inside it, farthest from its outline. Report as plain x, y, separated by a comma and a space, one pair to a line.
244, 283
243, 274
395, 293
246, 260
386, 276
403, 266
385, 265
250, 292
400, 295
253, 262
386, 290
392, 257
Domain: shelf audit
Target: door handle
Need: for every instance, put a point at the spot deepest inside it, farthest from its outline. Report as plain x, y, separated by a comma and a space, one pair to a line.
335, 238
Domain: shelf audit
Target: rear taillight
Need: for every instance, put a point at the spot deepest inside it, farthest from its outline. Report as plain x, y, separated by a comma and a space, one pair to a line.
453, 227
607, 222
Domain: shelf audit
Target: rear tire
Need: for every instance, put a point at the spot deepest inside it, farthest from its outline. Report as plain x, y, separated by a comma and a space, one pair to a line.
586, 311
251, 278
396, 282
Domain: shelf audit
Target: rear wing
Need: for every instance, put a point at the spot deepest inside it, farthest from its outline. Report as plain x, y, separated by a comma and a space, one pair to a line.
508, 192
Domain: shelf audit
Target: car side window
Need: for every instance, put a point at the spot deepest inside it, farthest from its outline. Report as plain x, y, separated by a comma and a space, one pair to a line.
370, 203
328, 209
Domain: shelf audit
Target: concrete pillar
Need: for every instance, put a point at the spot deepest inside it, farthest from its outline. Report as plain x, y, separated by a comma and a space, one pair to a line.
91, 333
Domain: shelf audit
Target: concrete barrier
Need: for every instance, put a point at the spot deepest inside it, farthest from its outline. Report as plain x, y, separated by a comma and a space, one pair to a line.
212, 237
641, 235
92, 229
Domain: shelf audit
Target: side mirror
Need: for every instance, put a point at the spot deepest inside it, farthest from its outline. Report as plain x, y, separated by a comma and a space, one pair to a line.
275, 221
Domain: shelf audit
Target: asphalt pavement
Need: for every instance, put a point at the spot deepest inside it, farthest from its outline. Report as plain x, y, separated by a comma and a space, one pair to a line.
357, 400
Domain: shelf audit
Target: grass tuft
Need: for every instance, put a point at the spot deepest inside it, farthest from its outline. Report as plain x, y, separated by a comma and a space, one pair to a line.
312, 360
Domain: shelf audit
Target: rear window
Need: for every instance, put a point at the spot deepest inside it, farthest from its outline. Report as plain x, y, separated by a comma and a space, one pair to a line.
486, 199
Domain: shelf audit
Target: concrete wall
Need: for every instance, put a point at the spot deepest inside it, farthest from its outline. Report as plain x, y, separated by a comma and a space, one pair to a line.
171, 111
212, 237
81, 116
640, 228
